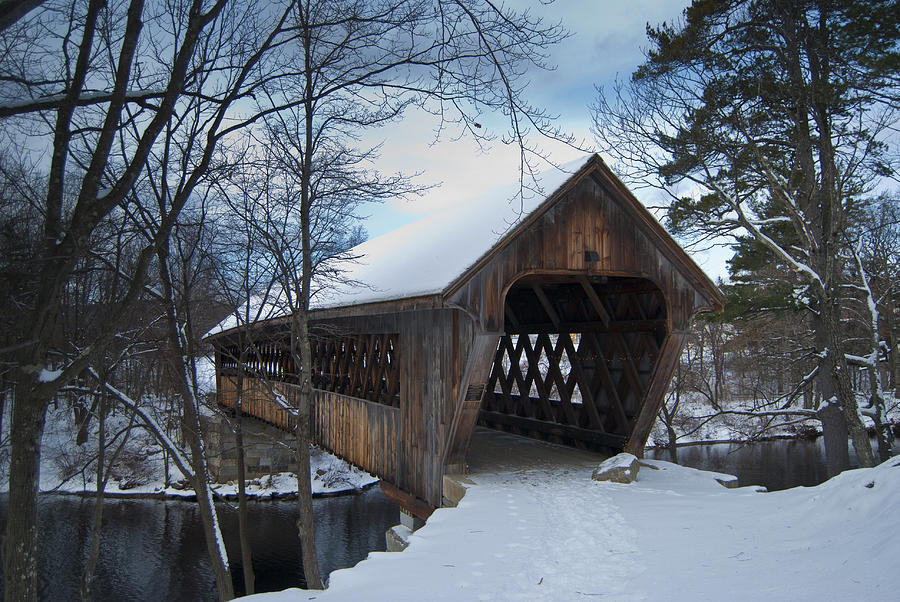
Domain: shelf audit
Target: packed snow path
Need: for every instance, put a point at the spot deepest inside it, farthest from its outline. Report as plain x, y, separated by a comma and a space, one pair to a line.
551, 533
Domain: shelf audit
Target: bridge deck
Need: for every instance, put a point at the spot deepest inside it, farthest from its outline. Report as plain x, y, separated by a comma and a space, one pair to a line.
494, 451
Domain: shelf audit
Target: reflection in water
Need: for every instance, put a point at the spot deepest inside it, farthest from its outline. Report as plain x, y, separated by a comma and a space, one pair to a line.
154, 549
776, 465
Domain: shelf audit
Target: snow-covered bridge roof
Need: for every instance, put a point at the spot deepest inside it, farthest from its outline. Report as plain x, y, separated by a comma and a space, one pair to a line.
428, 257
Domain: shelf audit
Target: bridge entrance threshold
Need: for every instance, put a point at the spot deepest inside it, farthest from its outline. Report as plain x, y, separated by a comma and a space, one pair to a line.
497, 452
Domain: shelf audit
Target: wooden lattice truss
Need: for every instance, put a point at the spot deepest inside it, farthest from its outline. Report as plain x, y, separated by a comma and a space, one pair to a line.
576, 359
359, 365
362, 366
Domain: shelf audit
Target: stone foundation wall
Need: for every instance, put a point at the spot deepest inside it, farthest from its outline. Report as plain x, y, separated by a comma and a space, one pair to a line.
267, 449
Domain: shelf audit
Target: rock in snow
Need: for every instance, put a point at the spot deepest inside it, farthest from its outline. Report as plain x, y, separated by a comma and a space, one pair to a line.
622, 468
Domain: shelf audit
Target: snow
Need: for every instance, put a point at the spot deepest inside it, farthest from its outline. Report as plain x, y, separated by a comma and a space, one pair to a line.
425, 256
617, 461
673, 534
140, 470
698, 421
48, 376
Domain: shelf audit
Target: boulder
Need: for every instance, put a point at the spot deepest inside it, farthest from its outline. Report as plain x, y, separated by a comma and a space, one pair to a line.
622, 468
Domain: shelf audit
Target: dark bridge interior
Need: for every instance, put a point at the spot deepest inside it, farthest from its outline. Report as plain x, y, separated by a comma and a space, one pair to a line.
576, 359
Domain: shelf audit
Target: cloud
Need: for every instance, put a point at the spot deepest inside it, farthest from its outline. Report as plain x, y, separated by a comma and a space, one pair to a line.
607, 40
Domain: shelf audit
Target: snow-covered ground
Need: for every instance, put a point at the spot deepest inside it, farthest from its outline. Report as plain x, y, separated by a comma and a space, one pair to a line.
674, 534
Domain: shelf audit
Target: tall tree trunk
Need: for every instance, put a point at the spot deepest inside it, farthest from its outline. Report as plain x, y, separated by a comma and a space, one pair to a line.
20, 542
847, 398
305, 521
829, 195
243, 519
302, 351
834, 424
87, 574
184, 383
211, 530
834, 427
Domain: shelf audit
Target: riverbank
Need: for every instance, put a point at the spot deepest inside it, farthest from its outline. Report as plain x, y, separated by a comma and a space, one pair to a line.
698, 422
141, 469
281, 486
675, 533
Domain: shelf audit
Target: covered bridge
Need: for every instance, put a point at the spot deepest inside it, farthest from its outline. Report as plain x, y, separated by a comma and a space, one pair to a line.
560, 317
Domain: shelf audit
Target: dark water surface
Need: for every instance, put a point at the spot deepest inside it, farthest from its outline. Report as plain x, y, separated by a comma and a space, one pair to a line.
776, 465
154, 549
773, 464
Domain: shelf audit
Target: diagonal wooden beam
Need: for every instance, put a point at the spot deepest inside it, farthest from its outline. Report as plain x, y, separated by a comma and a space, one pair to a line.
633, 298
511, 316
498, 375
392, 376
609, 386
629, 365
515, 368
553, 372
650, 403
596, 303
587, 395
545, 303
369, 377
534, 375
379, 385
562, 384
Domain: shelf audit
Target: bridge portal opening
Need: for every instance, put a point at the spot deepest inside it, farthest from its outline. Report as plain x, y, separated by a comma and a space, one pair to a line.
575, 362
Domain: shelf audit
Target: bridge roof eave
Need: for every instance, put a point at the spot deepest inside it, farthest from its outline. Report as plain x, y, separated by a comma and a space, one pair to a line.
392, 306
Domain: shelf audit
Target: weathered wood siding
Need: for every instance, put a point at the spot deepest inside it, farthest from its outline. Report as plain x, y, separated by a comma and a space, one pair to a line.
362, 432
588, 218
431, 350
258, 398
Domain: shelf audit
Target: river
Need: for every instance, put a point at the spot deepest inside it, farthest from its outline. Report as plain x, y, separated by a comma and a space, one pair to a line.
154, 549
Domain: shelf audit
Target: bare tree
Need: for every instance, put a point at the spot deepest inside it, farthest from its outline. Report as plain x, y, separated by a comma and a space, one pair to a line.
183, 360
103, 466
101, 90
361, 65
93, 86
880, 254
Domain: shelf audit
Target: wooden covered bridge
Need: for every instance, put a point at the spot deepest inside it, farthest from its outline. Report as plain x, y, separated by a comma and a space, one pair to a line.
560, 318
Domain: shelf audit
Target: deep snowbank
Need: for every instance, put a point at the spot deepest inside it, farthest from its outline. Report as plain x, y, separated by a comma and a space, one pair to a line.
674, 534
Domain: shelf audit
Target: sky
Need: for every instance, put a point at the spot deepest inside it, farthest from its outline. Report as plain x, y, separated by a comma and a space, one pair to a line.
607, 41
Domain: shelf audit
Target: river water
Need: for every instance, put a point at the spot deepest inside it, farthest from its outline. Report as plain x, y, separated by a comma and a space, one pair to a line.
776, 465
154, 549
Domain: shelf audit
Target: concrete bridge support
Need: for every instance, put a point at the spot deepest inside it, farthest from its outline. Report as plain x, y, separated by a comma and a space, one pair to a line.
267, 449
